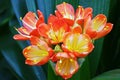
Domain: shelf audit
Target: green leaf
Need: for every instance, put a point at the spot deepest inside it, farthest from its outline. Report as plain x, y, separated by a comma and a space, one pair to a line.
47, 7
12, 53
31, 5
19, 9
75, 3
111, 53
51, 73
109, 75
4, 16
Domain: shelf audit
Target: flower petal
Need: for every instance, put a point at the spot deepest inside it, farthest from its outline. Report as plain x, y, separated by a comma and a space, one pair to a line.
40, 43
23, 31
40, 18
35, 55
43, 29
52, 19
105, 31
78, 43
35, 33
20, 37
66, 67
88, 29
57, 30
98, 23
77, 29
29, 21
66, 10
88, 12
57, 13
79, 13
82, 13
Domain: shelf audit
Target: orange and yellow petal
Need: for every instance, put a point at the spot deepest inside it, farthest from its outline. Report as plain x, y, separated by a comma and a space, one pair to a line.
40, 43
66, 10
77, 43
43, 29
98, 23
23, 31
35, 55
57, 13
88, 12
108, 27
40, 18
79, 13
20, 37
29, 21
35, 33
57, 30
82, 13
77, 29
52, 19
66, 67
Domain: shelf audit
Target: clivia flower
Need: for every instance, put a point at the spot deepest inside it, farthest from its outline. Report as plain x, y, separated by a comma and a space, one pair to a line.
98, 26
38, 53
82, 19
65, 38
30, 23
55, 30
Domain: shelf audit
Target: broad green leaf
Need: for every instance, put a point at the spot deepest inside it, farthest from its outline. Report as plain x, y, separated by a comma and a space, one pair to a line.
31, 5
111, 53
47, 7
109, 75
13, 55
75, 3
19, 9
5, 8
51, 75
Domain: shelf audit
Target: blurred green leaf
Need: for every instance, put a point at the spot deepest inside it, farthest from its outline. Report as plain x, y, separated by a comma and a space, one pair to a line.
5, 11
19, 9
51, 73
109, 75
47, 7
111, 50
12, 53
31, 5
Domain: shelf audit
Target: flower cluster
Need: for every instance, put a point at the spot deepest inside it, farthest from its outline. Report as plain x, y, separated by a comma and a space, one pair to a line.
66, 36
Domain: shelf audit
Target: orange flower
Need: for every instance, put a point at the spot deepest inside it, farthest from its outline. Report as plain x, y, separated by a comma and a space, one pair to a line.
66, 66
66, 11
38, 53
78, 44
98, 26
55, 30
30, 23
81, 20
69, 33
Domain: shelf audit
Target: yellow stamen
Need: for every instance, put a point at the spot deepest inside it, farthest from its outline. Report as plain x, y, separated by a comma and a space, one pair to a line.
35, 61
106, 28
59, 70
20, 18
28, 58
60, 61
71, 60
64, 3
25, 53
29, 47
79, 6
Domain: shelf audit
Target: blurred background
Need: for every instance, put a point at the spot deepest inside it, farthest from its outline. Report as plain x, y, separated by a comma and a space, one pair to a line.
102, 64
